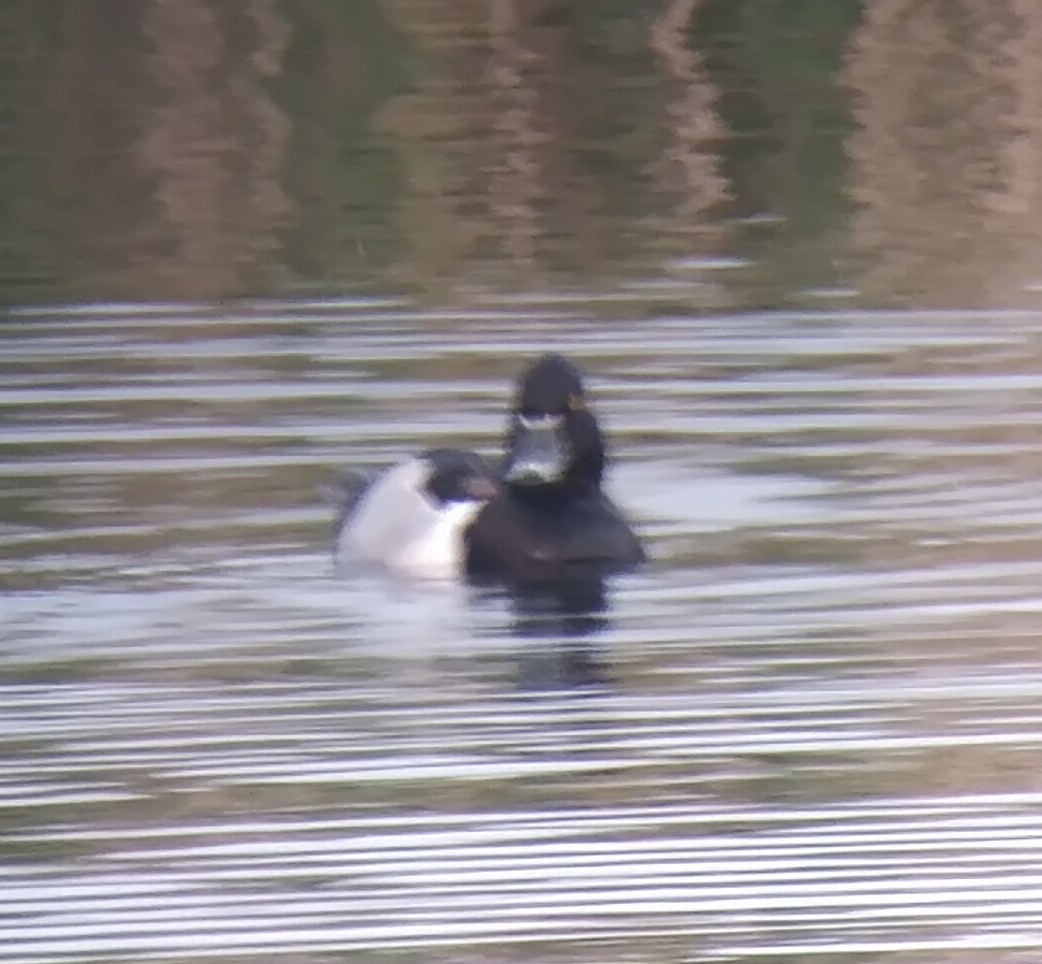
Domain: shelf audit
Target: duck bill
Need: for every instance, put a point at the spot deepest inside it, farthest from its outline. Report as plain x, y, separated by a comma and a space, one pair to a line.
537, 455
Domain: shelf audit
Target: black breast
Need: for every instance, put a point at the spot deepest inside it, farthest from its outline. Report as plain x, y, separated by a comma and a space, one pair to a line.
534, 537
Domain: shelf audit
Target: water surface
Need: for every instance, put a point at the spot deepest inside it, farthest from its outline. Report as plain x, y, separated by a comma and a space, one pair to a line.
815, 733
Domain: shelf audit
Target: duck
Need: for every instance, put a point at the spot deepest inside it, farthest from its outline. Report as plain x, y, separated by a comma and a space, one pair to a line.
549, 516
410, 517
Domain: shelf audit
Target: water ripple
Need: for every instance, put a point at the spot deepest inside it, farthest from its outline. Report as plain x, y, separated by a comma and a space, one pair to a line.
818, 729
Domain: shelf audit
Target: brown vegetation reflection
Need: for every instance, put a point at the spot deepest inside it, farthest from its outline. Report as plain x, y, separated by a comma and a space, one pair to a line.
199, 149
945, 164
162, 138
213, 144
688, 170
485, 137
515, 165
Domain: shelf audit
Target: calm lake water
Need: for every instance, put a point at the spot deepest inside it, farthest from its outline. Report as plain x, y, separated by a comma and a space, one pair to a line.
816, 733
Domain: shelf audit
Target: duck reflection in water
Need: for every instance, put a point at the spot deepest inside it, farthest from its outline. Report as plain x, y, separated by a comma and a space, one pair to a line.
560, 622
